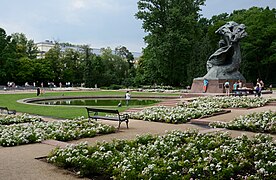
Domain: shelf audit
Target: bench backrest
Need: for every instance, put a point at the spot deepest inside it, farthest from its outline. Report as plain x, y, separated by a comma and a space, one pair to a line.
3, 108
115, 111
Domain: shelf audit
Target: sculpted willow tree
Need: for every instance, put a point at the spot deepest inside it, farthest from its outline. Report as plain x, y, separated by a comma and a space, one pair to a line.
172, 29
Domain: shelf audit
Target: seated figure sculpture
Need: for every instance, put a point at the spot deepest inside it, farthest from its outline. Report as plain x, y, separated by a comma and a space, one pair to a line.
225, 62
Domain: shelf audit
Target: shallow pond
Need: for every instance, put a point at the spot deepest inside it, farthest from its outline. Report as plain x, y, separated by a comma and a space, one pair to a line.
98, 102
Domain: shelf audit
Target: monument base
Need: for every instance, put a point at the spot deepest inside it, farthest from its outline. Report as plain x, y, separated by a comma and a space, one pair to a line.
215, 85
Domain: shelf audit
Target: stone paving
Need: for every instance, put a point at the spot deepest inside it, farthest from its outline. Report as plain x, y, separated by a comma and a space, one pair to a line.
21, 162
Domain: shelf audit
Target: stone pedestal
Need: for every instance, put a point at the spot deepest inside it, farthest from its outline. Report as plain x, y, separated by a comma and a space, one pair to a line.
214, 85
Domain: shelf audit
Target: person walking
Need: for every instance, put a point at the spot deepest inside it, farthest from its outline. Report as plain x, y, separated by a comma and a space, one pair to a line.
127, 96
227, 87
258, 90
38, 91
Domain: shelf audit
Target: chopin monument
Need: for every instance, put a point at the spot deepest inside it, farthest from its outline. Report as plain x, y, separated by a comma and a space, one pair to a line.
223, 64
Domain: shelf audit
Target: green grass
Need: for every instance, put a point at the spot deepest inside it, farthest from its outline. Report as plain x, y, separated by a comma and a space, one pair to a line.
10, 101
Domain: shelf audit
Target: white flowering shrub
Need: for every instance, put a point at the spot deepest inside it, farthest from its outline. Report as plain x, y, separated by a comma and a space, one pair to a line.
256, 122
14, 119
176, 155
174, 115
65, 130
228, 102
202, 106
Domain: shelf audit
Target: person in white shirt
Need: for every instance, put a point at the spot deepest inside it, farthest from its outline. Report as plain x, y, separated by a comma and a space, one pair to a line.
227, 88
127, 96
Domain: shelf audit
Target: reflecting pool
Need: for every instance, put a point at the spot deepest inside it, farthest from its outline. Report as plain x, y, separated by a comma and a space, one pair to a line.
98, 102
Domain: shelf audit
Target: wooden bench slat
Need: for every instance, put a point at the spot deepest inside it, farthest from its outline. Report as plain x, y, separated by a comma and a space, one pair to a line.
105, 117
102, 110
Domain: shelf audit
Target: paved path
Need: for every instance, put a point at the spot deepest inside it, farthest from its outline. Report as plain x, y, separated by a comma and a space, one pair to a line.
20, 163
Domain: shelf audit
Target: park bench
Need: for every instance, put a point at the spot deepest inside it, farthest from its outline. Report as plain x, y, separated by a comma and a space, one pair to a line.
93, 113
243, 92
5, 110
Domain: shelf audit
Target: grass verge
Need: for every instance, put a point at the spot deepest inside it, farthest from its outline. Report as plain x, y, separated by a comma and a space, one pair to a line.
64, 112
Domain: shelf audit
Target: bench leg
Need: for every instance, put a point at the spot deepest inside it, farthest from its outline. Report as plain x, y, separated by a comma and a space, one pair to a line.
127, 123
119, 125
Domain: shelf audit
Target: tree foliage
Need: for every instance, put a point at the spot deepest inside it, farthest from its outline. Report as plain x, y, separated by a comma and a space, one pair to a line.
179, 42
172, 30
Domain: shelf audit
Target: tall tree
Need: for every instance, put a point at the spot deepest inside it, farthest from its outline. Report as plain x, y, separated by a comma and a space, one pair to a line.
72, 69
115, 67
7, 58
24, 47
123, 52
172, 30
54, 57
88, 66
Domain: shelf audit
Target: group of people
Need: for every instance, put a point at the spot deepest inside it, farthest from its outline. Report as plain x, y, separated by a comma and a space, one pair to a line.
238, 85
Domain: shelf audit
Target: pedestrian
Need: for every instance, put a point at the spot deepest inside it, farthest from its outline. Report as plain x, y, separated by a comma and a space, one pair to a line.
262, 84
258, 90
127, 96
240, 84
235, 88
270, 87
38, 91
205, 85
227, 87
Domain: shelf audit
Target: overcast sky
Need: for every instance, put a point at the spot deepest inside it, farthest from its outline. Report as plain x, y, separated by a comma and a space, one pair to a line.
99, 23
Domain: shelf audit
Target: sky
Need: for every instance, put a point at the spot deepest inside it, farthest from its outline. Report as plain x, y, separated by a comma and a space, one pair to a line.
98, 23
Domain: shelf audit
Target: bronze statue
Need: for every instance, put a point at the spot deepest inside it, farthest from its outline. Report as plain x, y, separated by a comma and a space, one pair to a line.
225, 62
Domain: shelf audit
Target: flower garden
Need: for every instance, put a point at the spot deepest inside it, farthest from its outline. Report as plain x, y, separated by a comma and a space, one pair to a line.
174, 115
200, 107
176, 155
24, 129
15, 119
264, 122
228, 102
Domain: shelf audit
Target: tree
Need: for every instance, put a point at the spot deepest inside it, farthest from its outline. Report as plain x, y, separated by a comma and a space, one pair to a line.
116, 67
88, 66
54, 57
7, 58
172, 30
25, 71
24, 47
72, 70
123, 52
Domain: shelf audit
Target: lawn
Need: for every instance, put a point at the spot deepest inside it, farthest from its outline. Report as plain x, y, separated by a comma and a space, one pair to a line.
10, 101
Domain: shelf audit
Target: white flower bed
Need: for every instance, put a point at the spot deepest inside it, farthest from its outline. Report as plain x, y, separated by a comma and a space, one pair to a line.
177, 155
256, 122
26, 133
172, 114
14, 119
228, 102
